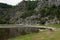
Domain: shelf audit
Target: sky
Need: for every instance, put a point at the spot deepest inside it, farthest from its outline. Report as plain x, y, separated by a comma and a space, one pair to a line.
11, 2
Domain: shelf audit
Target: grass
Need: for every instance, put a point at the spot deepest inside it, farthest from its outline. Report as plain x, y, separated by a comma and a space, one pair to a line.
50, 25
45, 35
54, 36
7, 24
54, 25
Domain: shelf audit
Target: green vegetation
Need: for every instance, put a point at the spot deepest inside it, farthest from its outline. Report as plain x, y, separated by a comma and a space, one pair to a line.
7, 24
54, 25
4, 8
27, 14
46, 35
31, 4
54, 36
51, 11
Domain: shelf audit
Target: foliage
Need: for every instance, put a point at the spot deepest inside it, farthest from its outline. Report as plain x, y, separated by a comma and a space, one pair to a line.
51, 11
4, 8
31, 4
28, 13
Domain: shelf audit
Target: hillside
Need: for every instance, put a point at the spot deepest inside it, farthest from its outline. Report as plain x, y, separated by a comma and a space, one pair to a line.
3, 12
4, 7
34, 12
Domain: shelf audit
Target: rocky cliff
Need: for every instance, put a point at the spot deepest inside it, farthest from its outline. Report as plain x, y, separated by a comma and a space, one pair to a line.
35, 12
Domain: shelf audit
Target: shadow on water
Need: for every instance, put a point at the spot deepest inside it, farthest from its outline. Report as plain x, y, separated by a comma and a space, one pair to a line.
6, 33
